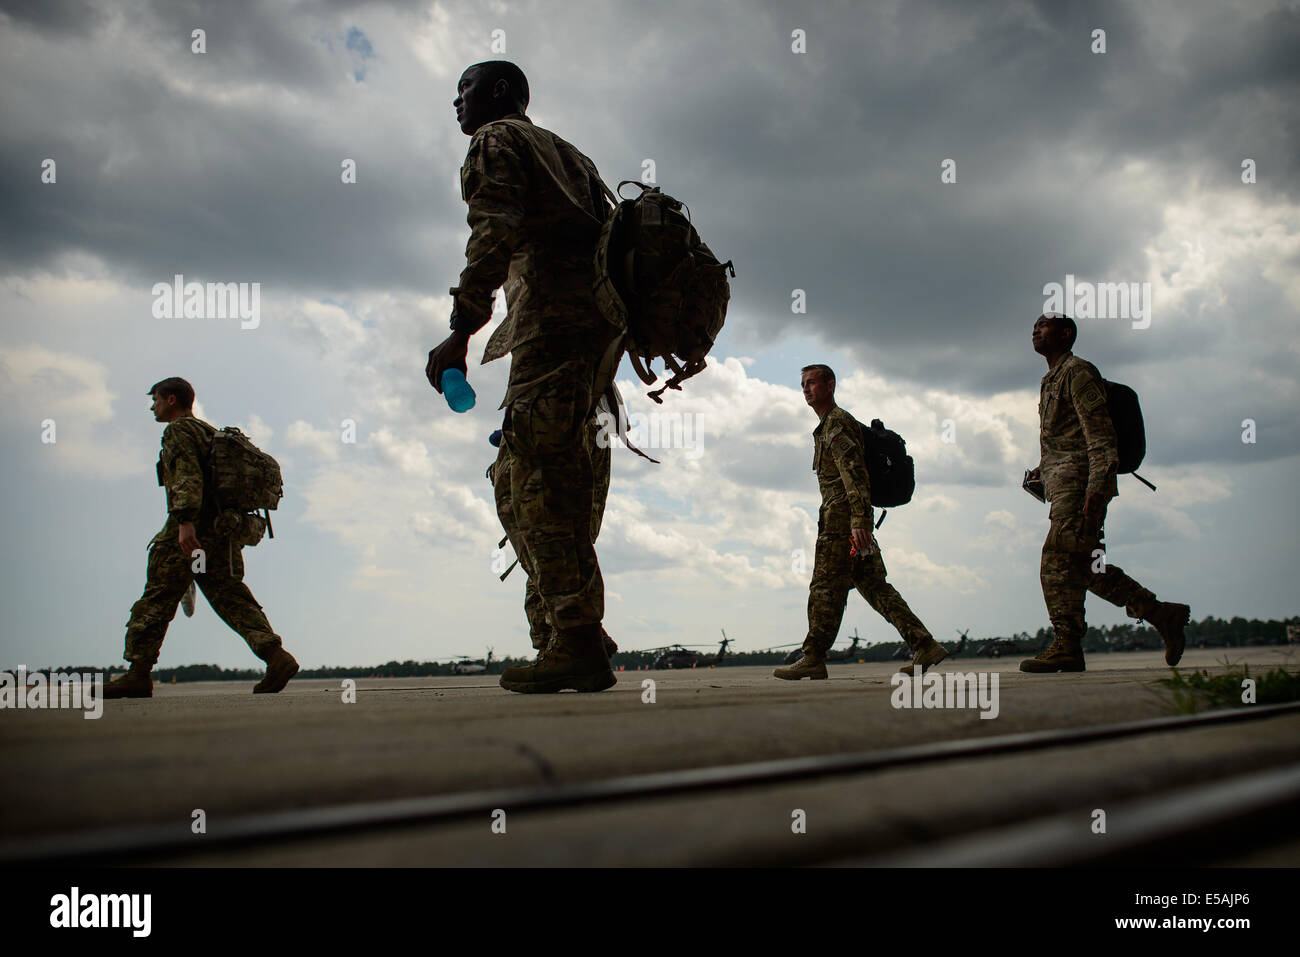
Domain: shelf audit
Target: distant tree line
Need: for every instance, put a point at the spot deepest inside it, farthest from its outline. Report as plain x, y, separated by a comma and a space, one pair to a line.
1210, 632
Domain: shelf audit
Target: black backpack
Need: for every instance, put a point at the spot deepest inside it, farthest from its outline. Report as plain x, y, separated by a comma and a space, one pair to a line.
1126, 416
889, 467
657, 282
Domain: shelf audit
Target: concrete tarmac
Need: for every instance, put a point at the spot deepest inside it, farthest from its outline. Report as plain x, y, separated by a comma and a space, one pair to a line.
216, 747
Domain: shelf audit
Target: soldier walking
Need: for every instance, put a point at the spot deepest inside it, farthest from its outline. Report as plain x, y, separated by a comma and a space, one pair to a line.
1078, 470
846, 517
536, 209
194, 532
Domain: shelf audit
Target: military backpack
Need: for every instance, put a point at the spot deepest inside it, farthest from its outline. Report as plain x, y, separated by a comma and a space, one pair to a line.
244, 480
1126, 416
889, 467
660, 284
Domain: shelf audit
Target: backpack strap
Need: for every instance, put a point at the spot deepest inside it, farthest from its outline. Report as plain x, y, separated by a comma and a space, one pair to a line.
643, 373
615, 402
680, 375
609, 193
209, 474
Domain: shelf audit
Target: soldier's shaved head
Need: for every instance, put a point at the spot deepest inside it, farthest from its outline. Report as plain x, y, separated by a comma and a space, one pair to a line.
1054, 335
176, 387
494, 70
1064, 323
488, 91
817, 382
823, 370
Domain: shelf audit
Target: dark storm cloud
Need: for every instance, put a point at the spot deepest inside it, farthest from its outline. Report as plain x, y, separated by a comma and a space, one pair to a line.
818, 171
843, 168
170, 161
75, 17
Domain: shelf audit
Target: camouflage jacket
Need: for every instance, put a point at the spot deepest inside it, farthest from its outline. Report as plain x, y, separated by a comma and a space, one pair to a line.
1076, 437
536, 208
182, 466
841, 466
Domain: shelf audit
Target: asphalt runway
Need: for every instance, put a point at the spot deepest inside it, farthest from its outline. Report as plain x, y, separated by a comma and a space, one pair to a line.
216, 748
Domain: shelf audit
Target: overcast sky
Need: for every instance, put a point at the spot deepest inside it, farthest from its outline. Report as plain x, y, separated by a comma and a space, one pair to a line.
811, 146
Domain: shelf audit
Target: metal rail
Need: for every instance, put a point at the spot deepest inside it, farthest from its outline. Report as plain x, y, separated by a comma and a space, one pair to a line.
1176, 829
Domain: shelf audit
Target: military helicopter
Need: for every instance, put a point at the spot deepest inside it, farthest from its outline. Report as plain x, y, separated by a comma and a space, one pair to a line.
681, 656
848, 654
906, 652
1018, 644
1139, 643
465, 665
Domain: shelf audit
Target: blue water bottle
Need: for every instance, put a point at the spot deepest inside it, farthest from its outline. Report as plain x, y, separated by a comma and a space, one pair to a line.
458, 392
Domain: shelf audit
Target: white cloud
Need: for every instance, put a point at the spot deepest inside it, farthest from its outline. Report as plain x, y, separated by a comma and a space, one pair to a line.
921, 569
941, 504
257, 430
323, 443
39, 385
411, 456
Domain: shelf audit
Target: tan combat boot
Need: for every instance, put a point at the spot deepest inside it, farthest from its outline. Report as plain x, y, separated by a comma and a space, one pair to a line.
607, 642
1062, 655
136, 683
811, 665
280, 667
1169, 619
611, 649
929, 654
573, 659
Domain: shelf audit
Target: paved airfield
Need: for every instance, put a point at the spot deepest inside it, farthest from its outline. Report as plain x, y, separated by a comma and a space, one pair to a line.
216, 747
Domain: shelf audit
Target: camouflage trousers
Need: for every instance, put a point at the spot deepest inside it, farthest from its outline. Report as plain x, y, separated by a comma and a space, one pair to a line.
1070, 570
540, 628
835, 574
545, 480
168, 575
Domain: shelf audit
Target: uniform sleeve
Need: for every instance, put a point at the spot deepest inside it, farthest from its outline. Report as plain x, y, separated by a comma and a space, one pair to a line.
846, 448
493, 182
1087, 393
184, 473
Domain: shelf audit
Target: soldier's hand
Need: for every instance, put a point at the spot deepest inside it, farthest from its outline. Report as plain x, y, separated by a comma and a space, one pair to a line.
450, 354
189, 541
864, 541
1094, 514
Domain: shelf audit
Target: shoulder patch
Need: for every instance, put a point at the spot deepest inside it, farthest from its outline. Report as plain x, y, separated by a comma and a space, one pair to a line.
1091, 397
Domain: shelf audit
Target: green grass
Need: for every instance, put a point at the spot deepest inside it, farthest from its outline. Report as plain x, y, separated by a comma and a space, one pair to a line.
1191, 691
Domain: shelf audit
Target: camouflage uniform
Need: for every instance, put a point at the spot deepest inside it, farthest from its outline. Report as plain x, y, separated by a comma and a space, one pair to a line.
181, 469
1080, 454
539, 627
841, 471
536, 208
